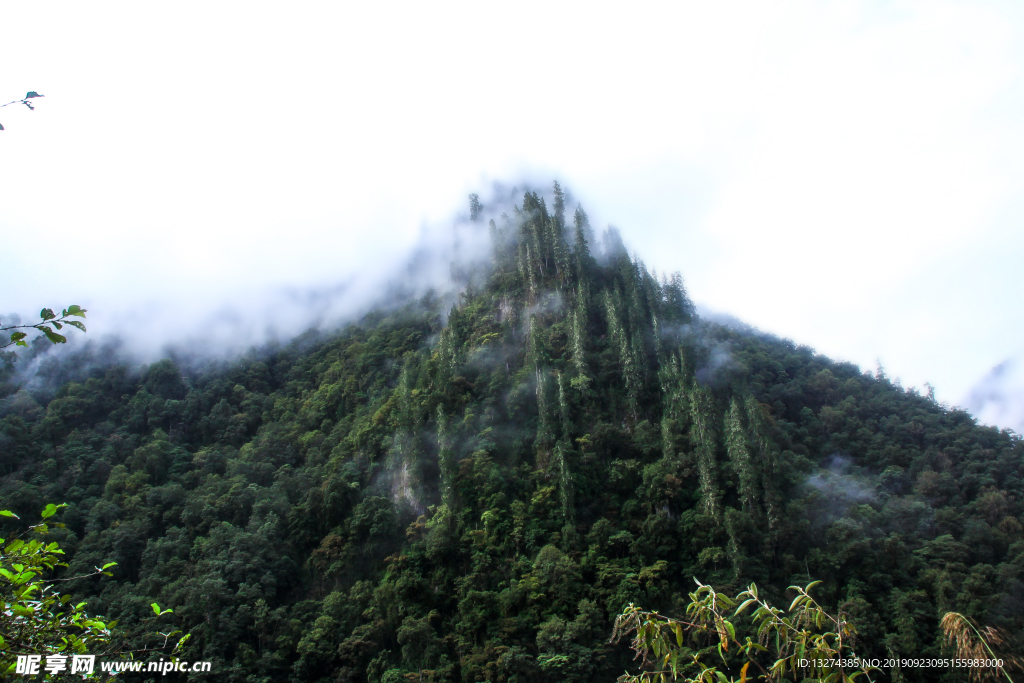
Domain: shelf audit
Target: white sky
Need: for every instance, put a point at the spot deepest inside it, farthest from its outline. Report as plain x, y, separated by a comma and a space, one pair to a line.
845, 174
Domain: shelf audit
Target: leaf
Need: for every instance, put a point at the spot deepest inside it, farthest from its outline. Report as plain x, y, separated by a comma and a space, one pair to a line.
109, 564
47, 314
156, 608
49, 511
743, 606
56, 324
75, 323
8, 513
31, 94
52, 336
17, 336
75, 309
182, 642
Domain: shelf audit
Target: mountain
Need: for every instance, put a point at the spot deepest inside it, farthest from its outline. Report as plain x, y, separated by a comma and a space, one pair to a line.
473, 492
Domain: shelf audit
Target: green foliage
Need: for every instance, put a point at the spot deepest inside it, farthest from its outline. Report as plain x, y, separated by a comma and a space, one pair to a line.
36, 618
802, 642
48, 324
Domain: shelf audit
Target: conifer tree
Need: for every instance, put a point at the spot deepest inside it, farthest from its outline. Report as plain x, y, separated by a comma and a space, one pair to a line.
668, 447
531, 260
560, 253
564, 409
535, 229
559, 246
405, 451
654, 297
736, 555
768, 454
739, 455
614, 248
579, 339
567, 493
581, 246
677, 304
406, 416
578, 331
451, 351
540, 235
545, 423
637, 295
522, 261
562, 451
675, 403
638, 315
559, 208
674, 382
476, 209
497, 246
630, 366
704, 437
445, 352
446, 459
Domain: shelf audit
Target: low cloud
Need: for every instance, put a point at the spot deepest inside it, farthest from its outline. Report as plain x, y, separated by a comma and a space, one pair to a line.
998, 398
838, 487
199, 327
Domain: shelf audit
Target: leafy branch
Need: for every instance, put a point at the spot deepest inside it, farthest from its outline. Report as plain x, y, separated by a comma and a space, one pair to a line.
36, 619
49, 324
30, 95
804, 641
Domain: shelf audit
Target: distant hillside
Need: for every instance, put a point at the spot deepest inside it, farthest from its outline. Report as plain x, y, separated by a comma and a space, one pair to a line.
473, 493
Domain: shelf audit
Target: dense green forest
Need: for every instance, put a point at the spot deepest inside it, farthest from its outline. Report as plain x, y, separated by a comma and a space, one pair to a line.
474, 492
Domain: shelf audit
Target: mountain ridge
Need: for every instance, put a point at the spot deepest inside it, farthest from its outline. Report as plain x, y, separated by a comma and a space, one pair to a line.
473, 489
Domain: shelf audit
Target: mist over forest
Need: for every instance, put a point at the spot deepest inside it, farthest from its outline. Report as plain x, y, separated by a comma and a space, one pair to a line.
465, 467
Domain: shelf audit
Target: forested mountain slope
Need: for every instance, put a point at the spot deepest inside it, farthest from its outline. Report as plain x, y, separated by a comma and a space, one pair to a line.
473, 494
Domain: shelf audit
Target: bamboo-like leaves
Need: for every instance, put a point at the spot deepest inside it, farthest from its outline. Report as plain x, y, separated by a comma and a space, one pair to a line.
796, 637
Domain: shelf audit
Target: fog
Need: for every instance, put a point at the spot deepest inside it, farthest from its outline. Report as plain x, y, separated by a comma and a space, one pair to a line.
846, 175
